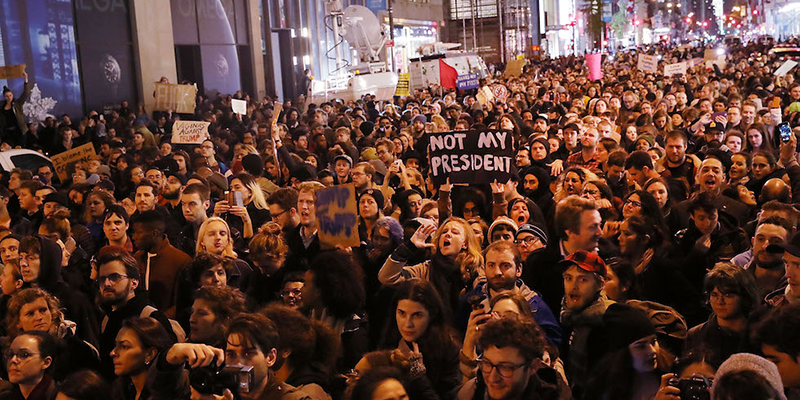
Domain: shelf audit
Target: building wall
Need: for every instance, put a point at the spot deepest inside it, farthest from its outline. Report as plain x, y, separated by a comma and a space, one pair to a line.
154, 47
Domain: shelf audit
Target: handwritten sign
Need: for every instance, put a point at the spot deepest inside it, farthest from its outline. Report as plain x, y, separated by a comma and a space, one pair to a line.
12, 71
190, 132
514, 68
239, 106
471, 157
403, 85
179, 98
467, 81
485, 97
276, 113
647, 63
76, 155
673, 69
337, 220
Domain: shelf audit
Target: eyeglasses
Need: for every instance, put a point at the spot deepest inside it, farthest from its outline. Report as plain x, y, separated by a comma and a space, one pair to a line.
527, 241
506, 370
114, 278
279, 214
22, 355
634, 203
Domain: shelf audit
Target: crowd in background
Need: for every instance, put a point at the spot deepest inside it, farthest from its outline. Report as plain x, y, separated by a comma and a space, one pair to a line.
644, 247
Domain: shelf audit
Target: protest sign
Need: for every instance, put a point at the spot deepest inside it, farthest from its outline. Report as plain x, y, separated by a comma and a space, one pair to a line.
337, 218
485, 97
677, 68
276, 113
12, 71
402, 85
470, 156
468, 81
178, 98
514, 68
75, 155
647, 63
785, 68
239, 106
593, 61
189, 132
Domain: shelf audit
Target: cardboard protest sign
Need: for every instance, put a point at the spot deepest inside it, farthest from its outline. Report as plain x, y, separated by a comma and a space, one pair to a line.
337, 218
677, 68
514, 68
485, 97
239, 106
179, 98
75, 155
647, 63
785, 68
470, 156
403, 85
468, 81
276, 113
12, 71
593, 61
189, 132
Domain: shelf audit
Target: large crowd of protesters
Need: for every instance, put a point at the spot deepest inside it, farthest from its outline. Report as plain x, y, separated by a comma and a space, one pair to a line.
644, 247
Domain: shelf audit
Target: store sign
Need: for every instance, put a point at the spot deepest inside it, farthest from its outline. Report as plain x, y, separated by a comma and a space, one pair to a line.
467, 81
376, 5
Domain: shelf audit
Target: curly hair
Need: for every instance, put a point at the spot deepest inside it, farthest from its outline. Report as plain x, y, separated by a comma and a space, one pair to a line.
340, 281
27, 296
522, 334
226, 302
269, 241
310, 341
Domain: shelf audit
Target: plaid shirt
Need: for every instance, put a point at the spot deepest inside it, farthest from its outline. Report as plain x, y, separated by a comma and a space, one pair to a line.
576, 159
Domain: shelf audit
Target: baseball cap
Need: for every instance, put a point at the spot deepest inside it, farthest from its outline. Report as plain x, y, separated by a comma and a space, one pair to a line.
589, 262
791, 246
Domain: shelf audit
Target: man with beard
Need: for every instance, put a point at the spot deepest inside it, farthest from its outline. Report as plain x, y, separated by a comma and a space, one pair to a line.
117, 279
748, 114
171, 194
587, 157
571, 144
503, 267
676, 165
767, 264
583, 307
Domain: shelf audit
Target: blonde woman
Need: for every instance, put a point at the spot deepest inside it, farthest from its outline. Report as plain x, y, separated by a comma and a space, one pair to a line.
214, 237
456, 258
254, 211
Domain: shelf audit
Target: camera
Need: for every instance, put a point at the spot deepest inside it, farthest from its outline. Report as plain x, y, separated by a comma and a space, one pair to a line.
694, 388
475, 300
215, 379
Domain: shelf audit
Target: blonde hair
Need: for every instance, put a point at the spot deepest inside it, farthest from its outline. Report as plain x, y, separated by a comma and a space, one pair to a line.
469, 259
201, 234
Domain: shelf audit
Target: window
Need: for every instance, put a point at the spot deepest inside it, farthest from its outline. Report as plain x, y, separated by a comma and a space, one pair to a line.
463, 9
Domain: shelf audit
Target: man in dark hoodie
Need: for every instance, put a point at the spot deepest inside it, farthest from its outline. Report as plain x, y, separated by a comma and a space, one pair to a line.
40, 262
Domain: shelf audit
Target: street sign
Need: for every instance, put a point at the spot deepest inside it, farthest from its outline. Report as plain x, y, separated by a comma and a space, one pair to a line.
467, 81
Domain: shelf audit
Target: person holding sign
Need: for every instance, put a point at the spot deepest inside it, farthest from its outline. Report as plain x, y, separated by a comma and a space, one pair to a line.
12, 120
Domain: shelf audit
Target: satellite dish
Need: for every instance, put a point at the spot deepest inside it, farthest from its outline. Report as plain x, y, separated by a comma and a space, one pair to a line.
361, 27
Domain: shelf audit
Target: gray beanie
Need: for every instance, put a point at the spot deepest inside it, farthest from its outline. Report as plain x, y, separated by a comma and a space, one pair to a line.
754, 363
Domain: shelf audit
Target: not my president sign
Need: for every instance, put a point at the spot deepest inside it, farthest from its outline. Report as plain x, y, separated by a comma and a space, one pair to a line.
471, 156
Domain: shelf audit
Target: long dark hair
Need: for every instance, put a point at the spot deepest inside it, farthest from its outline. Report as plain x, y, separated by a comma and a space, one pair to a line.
614, 376
436, 335
651, 211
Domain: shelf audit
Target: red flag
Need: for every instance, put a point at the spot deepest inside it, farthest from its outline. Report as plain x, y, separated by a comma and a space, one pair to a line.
447, 75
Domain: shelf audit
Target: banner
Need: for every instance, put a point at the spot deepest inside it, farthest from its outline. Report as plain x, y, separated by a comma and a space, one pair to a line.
239, 106
402, 85
468, 81
470, 156
75, 155
337, 218
12, 71
514, 68
189, 132
677, 68
178, 98
647, 63
594, 62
